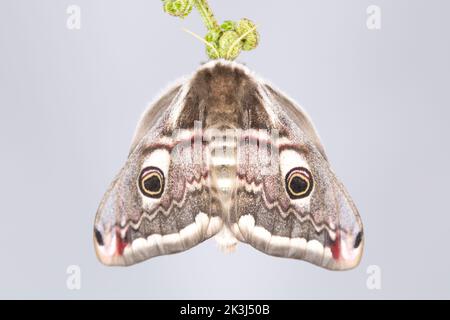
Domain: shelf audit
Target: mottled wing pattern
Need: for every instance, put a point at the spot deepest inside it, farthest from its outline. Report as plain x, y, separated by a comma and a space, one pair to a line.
158, 204
226, 154
288, 202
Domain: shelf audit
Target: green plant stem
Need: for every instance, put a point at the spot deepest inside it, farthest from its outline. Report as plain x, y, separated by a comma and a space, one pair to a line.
207, 15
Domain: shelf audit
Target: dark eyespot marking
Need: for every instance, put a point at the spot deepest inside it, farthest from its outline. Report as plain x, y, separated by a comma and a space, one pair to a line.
358, 240
98, 237
151, 182
299, 183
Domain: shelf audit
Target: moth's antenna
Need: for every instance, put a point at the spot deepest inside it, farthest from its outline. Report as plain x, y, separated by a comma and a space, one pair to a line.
201, 39
225, 40
241, 38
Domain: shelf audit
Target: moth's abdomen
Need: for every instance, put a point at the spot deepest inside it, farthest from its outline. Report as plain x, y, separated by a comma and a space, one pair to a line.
222, 162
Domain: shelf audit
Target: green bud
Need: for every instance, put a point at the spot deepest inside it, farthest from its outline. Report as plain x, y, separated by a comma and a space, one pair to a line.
178, 8
228, 25
228, 48
251, 40
213, 35
212, 51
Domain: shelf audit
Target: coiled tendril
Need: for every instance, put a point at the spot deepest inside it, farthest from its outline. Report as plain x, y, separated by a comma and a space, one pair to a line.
222, 41
178, 8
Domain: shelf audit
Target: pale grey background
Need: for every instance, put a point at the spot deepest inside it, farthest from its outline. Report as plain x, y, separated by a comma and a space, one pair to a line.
69, 101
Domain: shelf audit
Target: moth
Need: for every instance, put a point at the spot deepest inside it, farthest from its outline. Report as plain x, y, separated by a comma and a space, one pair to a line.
223, 153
